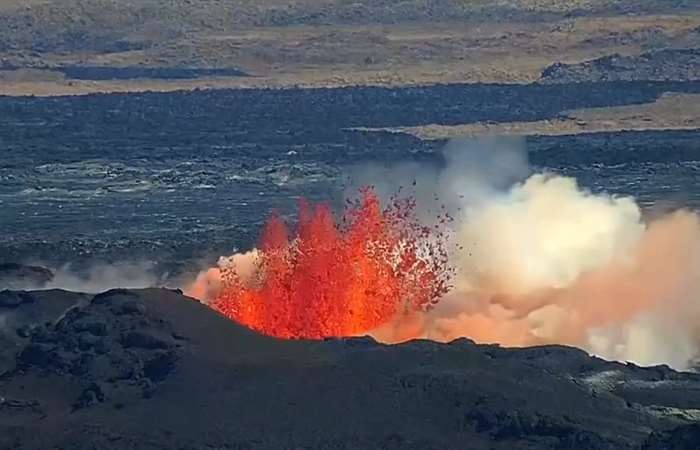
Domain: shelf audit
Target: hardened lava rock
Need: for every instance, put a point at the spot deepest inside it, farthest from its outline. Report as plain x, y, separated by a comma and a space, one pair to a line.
112, 347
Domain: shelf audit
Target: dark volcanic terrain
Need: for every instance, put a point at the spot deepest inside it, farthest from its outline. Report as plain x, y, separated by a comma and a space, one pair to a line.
663, 65
171, 178
153, 369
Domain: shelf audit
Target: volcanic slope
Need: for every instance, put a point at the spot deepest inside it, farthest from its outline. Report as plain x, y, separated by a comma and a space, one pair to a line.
153, 369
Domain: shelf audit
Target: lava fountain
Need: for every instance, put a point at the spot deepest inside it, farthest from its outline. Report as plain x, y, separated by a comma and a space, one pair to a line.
533, 259
345, 276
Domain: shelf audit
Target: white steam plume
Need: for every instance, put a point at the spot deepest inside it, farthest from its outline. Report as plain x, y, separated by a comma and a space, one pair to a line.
541, 260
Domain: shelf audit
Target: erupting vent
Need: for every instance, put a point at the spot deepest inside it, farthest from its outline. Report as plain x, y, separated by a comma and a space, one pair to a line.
339, 277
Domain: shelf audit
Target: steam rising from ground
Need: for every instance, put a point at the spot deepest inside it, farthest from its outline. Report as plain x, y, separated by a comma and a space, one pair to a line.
97, 278
545, 261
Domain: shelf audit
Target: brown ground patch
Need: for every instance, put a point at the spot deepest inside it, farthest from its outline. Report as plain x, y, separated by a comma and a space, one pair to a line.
387, 55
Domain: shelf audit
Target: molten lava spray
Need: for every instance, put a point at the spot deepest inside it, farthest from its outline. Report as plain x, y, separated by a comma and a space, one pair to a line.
332, 278
529, 259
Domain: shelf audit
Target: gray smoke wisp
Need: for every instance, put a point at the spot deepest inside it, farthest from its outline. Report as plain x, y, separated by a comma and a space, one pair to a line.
99, 277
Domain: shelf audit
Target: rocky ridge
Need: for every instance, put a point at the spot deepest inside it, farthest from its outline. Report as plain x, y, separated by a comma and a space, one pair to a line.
100, 368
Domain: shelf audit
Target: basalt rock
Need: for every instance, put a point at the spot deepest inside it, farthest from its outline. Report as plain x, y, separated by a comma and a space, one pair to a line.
661, 65
686, 437
152, 369
102, 347
18, 276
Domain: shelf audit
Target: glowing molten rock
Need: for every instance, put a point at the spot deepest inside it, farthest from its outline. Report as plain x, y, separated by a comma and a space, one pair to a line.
338, 278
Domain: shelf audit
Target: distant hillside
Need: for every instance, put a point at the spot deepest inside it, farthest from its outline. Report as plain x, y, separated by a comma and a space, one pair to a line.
78, 46
118, 25
663, 65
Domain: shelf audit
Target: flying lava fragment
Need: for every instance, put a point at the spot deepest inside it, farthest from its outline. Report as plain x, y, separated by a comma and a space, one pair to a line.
345, 276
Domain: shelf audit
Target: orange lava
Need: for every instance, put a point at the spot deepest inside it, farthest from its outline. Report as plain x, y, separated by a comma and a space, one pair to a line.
344, 277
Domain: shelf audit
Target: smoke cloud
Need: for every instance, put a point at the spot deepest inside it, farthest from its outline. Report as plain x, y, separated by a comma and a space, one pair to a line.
471, 172
99, 277
541, 260
207, 285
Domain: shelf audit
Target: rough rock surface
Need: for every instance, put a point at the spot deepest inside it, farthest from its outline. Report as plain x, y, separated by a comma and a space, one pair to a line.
686, 437
14, 276
124, 25
662, 65
153, 369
